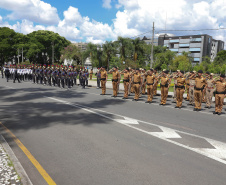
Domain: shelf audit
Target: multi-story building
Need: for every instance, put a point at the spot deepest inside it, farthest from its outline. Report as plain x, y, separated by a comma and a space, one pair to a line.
198, 46
217, 45
81, 45
149, 41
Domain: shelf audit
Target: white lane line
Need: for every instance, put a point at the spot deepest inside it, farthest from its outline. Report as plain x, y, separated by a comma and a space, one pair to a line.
220, 147
9, 87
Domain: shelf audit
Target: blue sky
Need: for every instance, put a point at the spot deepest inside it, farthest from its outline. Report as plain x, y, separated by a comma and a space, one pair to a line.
100, 20
90, 8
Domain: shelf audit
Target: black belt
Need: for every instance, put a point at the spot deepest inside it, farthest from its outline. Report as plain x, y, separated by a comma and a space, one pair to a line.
199, 89
114, 80
136, 82
103, 79
182, 86
126, 80
150, 84
224, 92
166, 85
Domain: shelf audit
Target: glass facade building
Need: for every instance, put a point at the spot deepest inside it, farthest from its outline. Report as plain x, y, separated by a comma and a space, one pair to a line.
198, 46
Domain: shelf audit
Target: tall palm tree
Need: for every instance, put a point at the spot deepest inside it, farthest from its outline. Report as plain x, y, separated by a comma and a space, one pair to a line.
137, 43
91, 51
109, 48
124, 45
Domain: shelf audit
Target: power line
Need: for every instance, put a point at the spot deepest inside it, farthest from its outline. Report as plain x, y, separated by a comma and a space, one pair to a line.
196, 30
141, 34
208, 29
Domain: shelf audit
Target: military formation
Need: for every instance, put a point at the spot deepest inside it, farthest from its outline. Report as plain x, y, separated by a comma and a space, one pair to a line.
200, 87
60, 76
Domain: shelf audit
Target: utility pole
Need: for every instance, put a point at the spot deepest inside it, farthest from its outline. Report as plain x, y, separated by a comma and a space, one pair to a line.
152, 47
52, 52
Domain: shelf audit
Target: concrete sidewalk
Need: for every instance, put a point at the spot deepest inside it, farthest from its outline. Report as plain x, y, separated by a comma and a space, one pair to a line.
11, 171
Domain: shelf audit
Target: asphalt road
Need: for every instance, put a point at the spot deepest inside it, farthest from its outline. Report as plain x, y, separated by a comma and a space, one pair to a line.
82, 138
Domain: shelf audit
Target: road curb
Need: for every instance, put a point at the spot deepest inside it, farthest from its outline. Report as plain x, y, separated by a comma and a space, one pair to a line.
19, 168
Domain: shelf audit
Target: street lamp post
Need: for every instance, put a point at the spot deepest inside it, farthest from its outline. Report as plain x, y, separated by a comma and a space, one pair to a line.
36, 58
18, 56
99, 50
44, 55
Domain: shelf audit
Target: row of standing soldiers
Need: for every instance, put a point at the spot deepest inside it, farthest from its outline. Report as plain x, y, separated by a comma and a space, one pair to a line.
199, 87
61, 76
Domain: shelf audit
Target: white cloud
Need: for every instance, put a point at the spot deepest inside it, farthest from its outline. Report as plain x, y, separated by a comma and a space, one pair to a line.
70, 32
74, 27
128, 4
72, 16
133, 17
96, 29
95, 41
121, 26
136, 16
219, 7
107, 4
32, 10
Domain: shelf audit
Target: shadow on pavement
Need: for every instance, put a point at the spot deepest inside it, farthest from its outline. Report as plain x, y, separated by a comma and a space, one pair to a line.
28, 108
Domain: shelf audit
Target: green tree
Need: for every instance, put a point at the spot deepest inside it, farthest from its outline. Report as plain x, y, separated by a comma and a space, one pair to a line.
125, 48
109, 51
205, 63
7, 44
72, 52
164, 58
181, 62
220, 58
94, 52
45, 42
139, 48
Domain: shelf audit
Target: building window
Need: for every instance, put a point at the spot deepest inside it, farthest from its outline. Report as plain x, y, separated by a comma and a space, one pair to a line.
195, 49
196, 39
176, 50
196, 59
173, 41
184, 45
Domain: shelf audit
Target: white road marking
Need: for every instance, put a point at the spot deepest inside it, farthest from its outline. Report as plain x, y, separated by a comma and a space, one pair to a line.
166, 133
9, 87
127, 120
217, 154
220, 150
